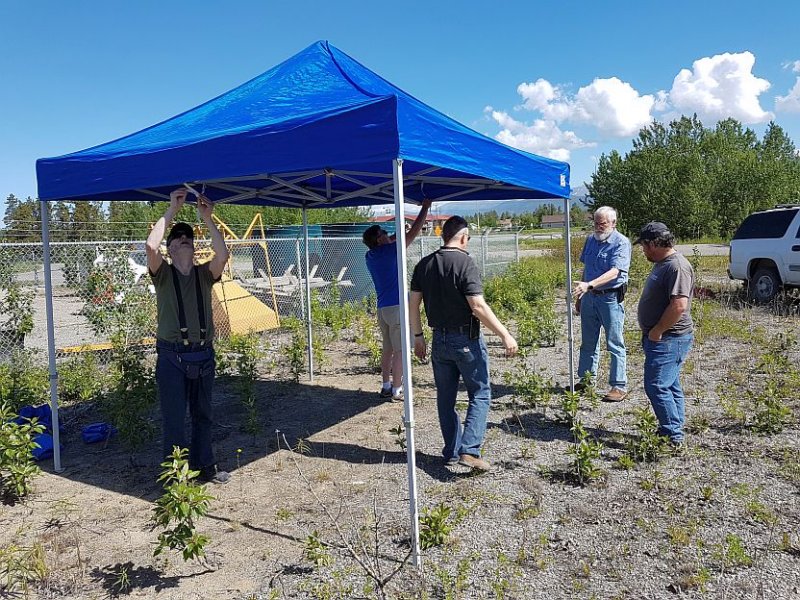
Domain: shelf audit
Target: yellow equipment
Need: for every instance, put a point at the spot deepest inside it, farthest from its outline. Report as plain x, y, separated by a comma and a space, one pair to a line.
235, 309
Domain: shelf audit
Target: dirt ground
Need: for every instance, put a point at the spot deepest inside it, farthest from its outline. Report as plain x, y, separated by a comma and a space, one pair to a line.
524, 530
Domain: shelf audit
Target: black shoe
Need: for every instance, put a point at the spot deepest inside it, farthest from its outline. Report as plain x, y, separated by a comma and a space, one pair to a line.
212, 475
385, 393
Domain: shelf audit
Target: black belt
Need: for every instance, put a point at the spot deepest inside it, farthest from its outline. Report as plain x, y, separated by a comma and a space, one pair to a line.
604, 292
460, 329
180, 347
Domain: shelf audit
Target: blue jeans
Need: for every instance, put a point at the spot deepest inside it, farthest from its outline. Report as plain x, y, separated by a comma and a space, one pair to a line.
606, 312
455, 356
662, 369
175, 392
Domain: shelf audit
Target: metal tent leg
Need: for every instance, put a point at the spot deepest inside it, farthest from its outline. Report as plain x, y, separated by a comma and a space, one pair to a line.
51, 343
309, 335
570, 335
408, 388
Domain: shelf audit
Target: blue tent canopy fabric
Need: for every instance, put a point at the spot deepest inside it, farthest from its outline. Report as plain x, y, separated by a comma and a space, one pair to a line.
318, 130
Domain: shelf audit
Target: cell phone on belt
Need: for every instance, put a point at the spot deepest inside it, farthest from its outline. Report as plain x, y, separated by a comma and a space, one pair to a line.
474, 328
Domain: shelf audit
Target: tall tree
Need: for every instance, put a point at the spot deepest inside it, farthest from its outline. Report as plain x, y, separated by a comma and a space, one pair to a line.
700, 181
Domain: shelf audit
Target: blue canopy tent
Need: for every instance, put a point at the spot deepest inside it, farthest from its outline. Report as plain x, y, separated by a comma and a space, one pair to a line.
319, 130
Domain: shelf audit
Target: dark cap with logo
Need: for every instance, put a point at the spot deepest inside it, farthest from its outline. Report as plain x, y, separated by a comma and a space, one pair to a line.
652, 231
178, 230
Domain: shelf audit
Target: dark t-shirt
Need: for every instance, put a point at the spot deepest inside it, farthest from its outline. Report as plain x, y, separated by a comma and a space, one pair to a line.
167, 302
445, 279
671, 277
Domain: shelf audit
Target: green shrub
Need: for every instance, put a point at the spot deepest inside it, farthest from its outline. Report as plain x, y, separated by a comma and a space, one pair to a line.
131, 396
23, 381
182, 503
17, 469
435, 526
80, 379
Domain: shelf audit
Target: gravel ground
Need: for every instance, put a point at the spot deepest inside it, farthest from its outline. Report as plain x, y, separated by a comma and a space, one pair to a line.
719, 521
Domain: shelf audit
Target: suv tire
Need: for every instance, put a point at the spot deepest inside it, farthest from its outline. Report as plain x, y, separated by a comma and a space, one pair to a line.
764, 285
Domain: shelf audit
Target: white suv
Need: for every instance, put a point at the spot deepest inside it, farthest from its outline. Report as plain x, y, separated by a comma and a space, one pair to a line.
765, 252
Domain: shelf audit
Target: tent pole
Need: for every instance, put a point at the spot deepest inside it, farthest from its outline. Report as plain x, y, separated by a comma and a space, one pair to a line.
309, 335
570, 338
44, 207
408, 388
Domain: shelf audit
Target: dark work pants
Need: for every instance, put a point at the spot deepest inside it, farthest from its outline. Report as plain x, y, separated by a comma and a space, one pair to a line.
175, 392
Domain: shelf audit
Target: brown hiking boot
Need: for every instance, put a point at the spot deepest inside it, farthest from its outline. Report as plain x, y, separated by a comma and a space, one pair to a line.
615, 395
473, 462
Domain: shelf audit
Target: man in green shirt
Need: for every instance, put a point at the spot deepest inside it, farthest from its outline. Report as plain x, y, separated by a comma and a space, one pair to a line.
185, 332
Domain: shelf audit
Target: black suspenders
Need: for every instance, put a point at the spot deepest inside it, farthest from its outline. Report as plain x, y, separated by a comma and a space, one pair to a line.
182, 312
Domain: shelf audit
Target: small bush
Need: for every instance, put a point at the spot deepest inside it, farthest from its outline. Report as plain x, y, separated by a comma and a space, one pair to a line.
181, 505
435, 526
80, 379
23, 381
17, 468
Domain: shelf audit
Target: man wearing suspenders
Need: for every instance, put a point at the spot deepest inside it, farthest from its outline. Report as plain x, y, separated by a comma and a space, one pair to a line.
185, 333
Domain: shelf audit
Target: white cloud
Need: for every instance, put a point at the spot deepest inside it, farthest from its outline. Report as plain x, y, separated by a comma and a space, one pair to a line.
612, 106
791, 101
540, 137
719, 87
794, 65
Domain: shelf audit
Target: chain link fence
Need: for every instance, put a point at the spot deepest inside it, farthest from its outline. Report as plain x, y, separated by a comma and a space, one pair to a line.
102, 287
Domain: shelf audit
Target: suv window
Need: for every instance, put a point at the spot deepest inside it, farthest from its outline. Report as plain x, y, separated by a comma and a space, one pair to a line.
771, 224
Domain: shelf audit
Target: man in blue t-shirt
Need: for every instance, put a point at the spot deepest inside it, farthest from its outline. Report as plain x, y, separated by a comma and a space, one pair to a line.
382, 264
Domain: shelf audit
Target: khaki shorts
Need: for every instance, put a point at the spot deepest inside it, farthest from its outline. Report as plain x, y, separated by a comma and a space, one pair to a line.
389, 322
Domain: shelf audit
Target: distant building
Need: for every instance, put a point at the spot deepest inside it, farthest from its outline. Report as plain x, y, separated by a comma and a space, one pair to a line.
553, 221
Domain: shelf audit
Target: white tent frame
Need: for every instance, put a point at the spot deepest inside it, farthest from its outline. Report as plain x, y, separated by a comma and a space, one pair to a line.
286, 189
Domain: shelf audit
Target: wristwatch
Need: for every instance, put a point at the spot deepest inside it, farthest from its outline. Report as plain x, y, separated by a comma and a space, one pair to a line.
590, 287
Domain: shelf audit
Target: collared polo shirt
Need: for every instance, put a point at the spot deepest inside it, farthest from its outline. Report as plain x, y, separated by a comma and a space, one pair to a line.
599, 257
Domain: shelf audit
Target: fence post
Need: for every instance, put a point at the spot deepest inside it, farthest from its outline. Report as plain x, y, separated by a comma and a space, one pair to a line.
516, 245
300, 277
484, 242
421, 246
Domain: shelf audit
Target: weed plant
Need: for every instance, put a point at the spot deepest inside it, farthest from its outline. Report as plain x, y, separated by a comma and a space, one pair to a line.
584, 451
525, 292
328, 309
368, 338
297, 349
531, 389
20, 568
17, 468
570, 404
23, 381
16, 305
241, 355
80, 379
316, 552
646, 445
132, 394
435, 526
181, 505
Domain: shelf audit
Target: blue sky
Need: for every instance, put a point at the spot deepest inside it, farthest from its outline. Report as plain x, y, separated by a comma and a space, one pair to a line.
569, 79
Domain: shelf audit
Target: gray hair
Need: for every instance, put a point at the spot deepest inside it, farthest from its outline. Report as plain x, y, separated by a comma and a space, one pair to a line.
607, 212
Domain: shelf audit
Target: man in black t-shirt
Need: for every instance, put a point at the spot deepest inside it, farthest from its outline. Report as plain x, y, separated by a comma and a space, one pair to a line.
449, 283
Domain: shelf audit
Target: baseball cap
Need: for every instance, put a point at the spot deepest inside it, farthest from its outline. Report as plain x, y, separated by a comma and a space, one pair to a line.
652, 231
178, 230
